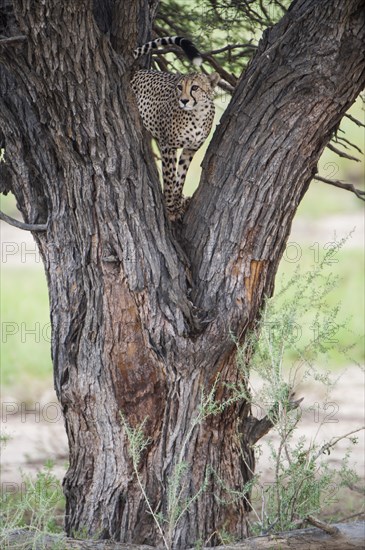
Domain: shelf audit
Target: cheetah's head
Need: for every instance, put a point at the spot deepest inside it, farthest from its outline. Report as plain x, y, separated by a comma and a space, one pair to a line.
194, 90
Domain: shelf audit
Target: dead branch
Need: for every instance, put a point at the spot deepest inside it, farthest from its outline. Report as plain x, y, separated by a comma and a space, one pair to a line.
342, 185
330, 529
357, 122
342, 141
341, 153
343, 536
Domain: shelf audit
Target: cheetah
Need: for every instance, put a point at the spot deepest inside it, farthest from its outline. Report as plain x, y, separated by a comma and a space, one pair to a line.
178, 111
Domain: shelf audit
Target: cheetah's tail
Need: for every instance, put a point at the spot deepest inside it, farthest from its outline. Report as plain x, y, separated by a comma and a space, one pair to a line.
185, 44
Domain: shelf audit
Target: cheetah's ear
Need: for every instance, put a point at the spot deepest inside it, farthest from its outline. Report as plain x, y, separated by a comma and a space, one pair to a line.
214, 78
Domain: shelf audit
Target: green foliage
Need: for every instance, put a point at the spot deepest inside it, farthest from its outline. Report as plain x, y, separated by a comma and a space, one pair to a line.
328, 291
216, 25
37, 505
303, 482
305, 324
136, 439
179, 500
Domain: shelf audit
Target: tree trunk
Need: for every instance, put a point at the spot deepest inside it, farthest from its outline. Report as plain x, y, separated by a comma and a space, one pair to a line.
142, 313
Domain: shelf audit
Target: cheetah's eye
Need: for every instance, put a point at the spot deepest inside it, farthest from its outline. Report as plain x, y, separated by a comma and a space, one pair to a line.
179, 87
195, 88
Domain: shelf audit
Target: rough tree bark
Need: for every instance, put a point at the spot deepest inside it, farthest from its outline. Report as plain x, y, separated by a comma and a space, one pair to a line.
142, 313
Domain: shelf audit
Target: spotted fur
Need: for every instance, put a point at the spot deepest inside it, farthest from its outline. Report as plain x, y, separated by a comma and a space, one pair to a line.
178, 111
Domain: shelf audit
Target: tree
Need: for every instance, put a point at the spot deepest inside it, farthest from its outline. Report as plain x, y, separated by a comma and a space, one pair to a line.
144, 314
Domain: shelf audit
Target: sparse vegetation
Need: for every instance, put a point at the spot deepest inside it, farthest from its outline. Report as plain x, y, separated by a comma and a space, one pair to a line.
37, 504
303, 484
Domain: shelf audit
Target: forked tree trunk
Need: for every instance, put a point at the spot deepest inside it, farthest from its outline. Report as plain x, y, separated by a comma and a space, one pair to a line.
142, 314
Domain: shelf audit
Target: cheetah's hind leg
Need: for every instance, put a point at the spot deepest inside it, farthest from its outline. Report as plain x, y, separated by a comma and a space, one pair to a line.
182, 169
179, 213
169, 160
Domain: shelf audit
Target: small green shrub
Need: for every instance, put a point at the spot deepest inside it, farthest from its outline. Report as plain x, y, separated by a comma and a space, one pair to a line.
37, 505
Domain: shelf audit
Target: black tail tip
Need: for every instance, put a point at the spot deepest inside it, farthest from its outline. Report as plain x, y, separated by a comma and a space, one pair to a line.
191, 51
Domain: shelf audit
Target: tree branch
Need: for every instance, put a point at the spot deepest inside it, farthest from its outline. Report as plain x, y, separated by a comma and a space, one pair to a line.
339, 536
342, 140
259, 428
245, 171
330, 529
357, 122
23, 225
342, 185
231, 79
341, 153
230, 47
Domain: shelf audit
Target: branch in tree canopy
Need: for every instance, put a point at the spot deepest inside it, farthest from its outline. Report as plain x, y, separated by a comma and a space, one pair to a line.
161, 63
22, 225
341, 153
342, 185
231, 79
225, 86
12, 40
230, 47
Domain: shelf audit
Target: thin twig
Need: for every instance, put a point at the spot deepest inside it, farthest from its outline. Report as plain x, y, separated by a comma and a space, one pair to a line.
22, 225
280, 5
351, 517
341, 139
334, 442
358, 122
342, 185
341, 153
